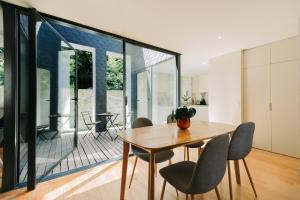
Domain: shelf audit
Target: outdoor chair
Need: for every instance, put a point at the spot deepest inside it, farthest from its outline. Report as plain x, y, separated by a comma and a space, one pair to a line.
90, 125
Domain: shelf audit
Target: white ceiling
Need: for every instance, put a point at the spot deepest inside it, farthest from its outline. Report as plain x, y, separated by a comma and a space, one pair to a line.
190, 27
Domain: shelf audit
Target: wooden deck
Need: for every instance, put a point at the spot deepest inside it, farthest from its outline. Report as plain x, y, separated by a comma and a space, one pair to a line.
89, 152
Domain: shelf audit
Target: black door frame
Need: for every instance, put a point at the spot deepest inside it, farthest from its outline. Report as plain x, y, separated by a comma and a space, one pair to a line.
11, 102
11, 107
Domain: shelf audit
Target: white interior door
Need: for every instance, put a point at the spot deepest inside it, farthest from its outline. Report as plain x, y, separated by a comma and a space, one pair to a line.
285, 111
256, 104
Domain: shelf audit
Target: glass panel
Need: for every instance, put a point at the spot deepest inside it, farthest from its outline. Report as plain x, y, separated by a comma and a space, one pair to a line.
24, 91
56, 95
143, 95
163, 89
114, 86
137, 84
151, 82
100, 89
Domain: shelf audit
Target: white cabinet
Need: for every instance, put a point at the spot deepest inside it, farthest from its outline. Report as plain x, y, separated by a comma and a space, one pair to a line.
201, 112
271, 95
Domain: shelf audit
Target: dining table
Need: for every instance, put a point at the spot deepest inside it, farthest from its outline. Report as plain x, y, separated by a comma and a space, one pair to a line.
161, 137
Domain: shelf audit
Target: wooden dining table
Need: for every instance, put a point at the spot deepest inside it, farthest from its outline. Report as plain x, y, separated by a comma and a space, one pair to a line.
156, 138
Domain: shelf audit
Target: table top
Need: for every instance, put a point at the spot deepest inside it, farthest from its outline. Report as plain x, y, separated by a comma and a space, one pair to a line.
59, 115
168, 136
105, 114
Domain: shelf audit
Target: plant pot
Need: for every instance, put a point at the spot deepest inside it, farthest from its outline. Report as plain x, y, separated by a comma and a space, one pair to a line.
183, 123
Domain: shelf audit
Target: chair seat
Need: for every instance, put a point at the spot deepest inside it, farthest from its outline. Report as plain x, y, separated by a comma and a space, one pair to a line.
195, 145
159, 157
94, 123
179, 174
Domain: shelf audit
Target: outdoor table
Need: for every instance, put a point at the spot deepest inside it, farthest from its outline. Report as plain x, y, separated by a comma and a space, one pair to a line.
108, 118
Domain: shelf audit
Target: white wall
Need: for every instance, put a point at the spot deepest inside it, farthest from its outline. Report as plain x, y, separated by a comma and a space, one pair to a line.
225, 88
185, 85
199, 85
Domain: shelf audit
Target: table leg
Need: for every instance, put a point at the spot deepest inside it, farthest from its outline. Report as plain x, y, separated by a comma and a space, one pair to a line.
124, 169
237, 172
151, 189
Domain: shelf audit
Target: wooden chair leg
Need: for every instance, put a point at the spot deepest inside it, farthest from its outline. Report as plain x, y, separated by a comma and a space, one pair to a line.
163, 190
229, 179
177, 193
188, 153
155, 169
248, 173
186, 196
217, 193
170, 162
133, 170
192, 197
184, 153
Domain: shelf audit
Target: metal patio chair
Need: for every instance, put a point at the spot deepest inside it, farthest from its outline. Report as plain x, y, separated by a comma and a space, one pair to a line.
87, 119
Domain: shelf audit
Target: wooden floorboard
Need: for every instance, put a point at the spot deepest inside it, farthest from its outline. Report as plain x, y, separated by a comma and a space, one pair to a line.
276, 177
89, 151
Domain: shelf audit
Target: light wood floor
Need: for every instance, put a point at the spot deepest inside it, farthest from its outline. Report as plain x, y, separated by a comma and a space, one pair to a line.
275, 177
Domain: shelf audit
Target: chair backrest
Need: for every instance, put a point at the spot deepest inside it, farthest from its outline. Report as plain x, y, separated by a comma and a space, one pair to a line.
141, 122
87, 119
170, 120
211, 165
241, 141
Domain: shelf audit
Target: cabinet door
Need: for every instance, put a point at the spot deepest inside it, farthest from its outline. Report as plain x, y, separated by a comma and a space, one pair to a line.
256, 104
285, 112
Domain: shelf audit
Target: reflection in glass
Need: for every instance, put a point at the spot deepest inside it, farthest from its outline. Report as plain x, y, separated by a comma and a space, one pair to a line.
151, 81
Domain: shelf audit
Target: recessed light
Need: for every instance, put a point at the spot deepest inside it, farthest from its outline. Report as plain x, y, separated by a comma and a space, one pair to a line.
220, 37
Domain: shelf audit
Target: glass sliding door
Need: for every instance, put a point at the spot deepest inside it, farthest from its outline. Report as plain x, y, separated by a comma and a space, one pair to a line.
151, 84
56, 109
143, 93
164, 95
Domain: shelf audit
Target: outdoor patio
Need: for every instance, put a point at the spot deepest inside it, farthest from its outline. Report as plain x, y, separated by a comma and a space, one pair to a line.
90, 152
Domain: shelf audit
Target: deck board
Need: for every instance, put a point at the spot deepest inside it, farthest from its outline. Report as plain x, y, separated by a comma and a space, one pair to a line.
89, 151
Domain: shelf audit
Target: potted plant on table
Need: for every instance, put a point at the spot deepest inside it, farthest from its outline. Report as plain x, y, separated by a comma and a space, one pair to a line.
183, 115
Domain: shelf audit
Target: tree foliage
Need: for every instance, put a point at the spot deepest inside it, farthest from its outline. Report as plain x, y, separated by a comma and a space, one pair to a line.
114, 73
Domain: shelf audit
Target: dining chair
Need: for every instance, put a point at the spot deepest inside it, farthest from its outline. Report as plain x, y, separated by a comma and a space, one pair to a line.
196, 178
90, 125
198, 145
240, 146
144, 155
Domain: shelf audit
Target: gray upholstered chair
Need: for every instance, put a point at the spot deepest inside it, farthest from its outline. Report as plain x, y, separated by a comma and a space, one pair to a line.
170, 119
187, 148
240, 146
144, 155
196, 178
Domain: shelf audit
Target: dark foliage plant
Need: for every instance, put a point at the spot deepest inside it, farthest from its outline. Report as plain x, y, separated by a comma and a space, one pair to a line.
184, 112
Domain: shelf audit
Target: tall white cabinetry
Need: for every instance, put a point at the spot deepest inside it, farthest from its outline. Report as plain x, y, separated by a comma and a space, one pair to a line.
271, 95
